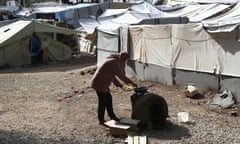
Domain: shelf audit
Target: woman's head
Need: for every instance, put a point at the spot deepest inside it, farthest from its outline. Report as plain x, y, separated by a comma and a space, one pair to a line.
123, 55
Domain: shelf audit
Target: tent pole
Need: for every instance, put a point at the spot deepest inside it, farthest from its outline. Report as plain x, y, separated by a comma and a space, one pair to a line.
22, 3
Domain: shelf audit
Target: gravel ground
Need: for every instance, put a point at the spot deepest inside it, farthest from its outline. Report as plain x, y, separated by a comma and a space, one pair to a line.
53, 104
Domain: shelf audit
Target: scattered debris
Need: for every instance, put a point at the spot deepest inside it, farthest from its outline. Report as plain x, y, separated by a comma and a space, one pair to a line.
76, 91
82, 73
223, 100
183, 117
233, 113
192, 91
67, 96
82, 92
59, 98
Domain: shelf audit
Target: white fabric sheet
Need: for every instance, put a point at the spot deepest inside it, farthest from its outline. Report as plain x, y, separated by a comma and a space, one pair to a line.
186, 47
225, 22
151, 44
113, 12
194, 49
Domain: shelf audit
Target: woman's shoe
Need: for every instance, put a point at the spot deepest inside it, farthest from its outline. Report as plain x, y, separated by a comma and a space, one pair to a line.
116, 119
102, 122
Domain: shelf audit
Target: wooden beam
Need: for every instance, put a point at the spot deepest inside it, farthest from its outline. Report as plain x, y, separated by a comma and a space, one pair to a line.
137, 139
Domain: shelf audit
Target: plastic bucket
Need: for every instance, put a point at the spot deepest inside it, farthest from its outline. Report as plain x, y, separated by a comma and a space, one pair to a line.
183, 117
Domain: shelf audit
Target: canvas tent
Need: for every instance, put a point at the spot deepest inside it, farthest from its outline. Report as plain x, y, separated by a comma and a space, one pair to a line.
204, 51
112, 25
62, 12
14, 42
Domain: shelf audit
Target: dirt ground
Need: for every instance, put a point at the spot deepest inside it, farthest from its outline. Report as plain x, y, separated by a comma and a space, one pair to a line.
53, 104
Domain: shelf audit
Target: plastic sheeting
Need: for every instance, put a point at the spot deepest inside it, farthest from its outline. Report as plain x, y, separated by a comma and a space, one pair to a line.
151, 44
115, 18
189, 46
215, 17
194, 49
223, 100
186, 47
107, 43
225, 22
113, 12
197, 12
205, 1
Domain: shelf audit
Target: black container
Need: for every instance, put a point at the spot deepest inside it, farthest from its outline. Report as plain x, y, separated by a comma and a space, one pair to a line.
151, 109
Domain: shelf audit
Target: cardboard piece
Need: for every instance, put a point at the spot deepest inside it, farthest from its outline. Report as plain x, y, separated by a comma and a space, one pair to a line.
117, 129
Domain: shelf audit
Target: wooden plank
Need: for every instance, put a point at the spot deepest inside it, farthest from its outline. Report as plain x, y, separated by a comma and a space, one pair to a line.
116, 129
142, 139
133, 123
136, 139
130, 140
115, 124
129, 121
118, 132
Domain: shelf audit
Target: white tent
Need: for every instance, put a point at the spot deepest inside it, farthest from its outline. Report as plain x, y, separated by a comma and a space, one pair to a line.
204, 52
141, 13
14, 42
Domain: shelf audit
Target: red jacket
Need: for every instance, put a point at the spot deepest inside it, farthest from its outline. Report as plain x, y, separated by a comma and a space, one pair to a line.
108, 73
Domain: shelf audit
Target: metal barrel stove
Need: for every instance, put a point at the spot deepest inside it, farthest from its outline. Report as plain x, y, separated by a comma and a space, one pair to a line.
151, 109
